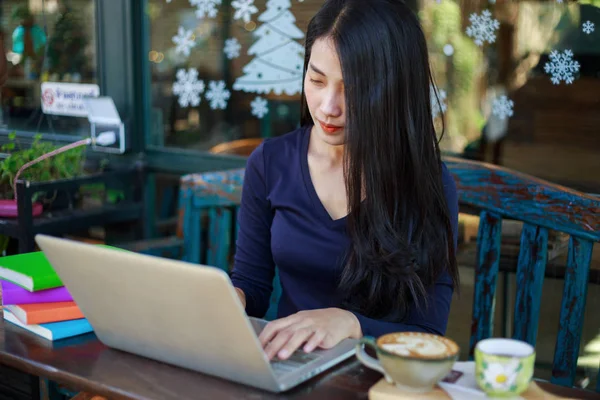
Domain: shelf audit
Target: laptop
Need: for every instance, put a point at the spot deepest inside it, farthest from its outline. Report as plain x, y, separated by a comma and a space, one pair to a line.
178, 313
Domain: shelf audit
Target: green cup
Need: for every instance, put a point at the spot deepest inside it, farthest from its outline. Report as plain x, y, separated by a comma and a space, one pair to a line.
504, 367
412, 361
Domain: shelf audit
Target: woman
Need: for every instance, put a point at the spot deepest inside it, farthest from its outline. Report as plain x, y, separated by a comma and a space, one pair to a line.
355, 208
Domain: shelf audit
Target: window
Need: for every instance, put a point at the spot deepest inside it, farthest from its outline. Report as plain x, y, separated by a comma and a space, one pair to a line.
498, 67
219, 75
520, 84
46, 41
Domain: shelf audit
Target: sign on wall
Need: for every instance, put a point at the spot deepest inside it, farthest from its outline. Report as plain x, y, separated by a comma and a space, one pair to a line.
67, 98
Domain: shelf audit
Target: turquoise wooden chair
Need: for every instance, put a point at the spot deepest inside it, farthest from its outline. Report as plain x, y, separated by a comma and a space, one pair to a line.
501, 193
208, 207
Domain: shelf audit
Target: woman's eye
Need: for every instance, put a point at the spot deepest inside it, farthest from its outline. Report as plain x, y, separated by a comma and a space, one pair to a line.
316, 82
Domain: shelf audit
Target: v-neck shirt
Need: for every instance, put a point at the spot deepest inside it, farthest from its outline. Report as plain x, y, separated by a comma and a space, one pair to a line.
283, 223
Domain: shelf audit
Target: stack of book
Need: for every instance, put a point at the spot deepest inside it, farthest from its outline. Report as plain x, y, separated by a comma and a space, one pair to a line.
34, 298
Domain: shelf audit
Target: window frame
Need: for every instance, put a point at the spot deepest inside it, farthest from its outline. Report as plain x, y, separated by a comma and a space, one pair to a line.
123, 72
159, 158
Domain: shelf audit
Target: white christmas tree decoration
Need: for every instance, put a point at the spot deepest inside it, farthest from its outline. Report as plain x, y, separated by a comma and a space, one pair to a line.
205, 8
502, 107
184, 40
561, 67
483, 27
259, 107
218, 95
188, 87
279, 57
437, 107
588, 27
244, 9
232, 48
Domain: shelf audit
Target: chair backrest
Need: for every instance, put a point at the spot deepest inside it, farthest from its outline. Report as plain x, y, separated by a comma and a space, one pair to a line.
501, 193
208, 207
240, 147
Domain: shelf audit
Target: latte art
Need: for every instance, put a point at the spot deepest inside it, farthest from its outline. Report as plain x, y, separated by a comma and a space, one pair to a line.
419, 346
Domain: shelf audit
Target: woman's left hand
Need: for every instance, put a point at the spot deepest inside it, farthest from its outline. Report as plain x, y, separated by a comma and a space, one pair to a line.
317, 328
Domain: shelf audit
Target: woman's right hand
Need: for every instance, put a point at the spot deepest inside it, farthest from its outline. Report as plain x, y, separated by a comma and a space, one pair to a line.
242, 296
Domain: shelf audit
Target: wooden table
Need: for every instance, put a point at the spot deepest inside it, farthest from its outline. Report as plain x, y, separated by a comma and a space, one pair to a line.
85, 363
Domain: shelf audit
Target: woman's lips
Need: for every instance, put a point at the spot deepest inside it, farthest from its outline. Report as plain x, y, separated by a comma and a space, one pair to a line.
330, 128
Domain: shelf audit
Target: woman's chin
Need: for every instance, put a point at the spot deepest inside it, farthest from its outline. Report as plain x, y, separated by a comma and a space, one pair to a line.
334, 139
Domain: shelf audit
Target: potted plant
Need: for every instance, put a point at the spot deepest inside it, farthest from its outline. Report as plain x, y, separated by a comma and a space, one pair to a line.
61, 166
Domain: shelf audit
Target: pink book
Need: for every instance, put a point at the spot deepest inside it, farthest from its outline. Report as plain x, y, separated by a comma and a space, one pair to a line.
13, 294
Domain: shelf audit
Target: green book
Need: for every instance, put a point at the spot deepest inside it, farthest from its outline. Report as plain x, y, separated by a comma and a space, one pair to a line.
31, 271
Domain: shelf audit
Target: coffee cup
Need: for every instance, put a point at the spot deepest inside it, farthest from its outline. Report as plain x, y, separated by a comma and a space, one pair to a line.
413, 361
504, 367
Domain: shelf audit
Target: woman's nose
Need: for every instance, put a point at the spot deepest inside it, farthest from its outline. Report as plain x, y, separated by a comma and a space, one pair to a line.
332, 104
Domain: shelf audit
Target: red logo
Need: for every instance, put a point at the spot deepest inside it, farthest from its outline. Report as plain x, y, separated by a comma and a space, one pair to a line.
48, 97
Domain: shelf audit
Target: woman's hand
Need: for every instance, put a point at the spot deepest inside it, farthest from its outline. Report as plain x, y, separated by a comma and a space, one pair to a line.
315, 328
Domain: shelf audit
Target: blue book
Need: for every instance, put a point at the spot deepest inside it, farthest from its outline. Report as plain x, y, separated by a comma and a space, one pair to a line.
54, 330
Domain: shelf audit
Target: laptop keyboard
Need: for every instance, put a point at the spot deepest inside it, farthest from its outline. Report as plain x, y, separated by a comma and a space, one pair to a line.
297, 359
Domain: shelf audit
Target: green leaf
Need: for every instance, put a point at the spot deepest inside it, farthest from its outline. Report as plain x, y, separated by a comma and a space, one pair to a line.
484, 365
513, 388
12, 136
520, 367
45, 176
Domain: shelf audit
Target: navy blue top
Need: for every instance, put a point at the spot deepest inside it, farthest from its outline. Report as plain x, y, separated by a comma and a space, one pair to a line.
283, 222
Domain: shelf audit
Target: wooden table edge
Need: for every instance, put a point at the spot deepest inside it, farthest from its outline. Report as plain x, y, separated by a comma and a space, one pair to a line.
67, 378
35, 368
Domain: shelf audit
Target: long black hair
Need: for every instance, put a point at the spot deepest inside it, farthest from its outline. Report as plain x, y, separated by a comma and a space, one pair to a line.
398, 222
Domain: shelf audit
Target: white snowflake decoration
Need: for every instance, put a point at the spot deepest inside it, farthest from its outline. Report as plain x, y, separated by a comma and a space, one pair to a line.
502, 107
218, 95
562, 67
205, 8
259, 107
588, 27
232, 48
184, 40
437, 107
448, 49
483, 27
244, 9
188, 87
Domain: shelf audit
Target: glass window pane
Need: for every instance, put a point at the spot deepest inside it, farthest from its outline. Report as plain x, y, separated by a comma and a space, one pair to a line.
231, 77
45, 41
519, 81
520, 84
